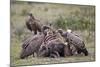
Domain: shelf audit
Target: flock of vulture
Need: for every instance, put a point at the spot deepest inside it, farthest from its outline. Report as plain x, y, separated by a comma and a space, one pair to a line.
49, 42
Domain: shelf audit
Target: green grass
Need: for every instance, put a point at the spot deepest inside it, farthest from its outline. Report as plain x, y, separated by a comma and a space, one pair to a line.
48, 13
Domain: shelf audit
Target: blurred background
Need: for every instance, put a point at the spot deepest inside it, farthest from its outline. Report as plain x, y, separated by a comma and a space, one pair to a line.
79, 18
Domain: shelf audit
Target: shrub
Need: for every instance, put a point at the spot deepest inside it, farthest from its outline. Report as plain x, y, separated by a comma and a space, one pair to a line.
74, 23
60, 23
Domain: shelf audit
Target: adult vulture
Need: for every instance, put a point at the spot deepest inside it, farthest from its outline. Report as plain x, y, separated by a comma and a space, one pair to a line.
74, 41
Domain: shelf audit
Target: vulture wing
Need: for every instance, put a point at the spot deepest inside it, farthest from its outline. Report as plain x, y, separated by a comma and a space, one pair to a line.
29, 25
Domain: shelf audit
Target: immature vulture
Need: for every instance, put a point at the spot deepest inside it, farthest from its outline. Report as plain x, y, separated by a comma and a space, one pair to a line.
33, 24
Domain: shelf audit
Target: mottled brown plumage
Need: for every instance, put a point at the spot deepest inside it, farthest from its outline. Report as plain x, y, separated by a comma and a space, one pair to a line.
31, 45
75, 42
53, 45
33, 24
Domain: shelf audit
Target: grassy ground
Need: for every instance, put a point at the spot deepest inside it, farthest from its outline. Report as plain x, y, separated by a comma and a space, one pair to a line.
16, 48
46, 13
15, 61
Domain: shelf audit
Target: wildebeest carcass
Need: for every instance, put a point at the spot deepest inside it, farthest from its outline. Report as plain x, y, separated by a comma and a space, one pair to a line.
75, 42
31, 45
33, 24
53, 45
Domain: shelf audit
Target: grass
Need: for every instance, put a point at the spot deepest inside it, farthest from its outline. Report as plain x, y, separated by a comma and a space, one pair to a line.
48, 13
38, 61
16, 48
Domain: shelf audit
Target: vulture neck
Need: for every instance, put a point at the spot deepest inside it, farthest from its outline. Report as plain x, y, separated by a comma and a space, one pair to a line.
32, 17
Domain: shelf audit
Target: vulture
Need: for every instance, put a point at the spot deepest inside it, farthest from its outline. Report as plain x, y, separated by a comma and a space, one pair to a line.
75, 42
33, 24
53, 45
